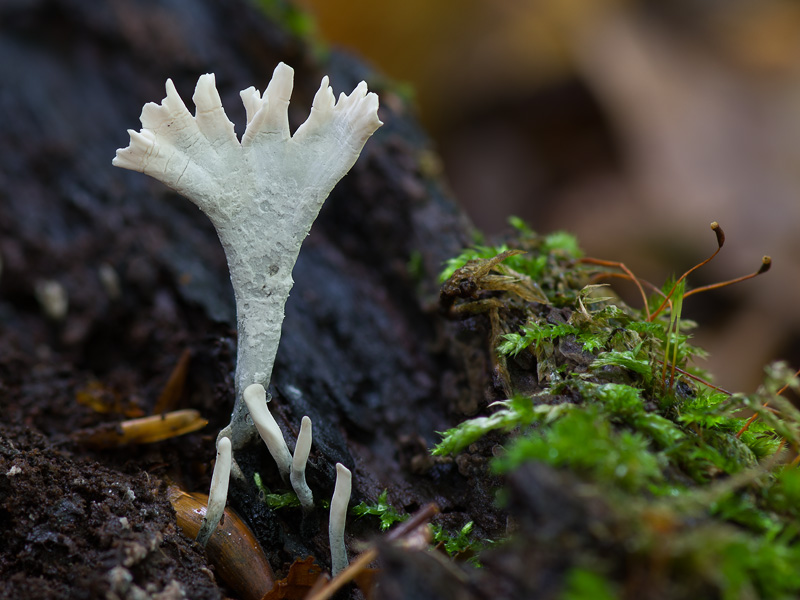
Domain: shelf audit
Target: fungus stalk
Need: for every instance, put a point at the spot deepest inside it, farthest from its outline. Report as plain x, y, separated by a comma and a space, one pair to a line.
219, 485
338, 516
299, 460
261, 194
291, 467
255, 397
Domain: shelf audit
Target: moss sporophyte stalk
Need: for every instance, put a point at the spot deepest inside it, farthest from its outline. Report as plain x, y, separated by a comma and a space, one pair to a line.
702, 479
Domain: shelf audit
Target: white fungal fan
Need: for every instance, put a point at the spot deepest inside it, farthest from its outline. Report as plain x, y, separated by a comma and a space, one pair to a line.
262, 194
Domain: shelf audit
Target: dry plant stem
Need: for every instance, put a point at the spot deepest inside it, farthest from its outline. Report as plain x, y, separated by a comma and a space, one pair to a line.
144, 430
418, 519
746, 426
766, 263
699, 379
750, 421
654, 288
786, 387
345, 576
173, 389
319, 585
626, 270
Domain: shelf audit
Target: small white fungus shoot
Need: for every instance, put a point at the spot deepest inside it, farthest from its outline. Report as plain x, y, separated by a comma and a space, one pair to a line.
338, 516
299, 461
255, 396
218, 494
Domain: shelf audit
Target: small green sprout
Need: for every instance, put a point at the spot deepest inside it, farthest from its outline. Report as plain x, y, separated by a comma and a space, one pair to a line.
454, 543
534, 334
275, 501
386, 513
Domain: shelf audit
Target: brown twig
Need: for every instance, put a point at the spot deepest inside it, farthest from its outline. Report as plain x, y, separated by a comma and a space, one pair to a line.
626, 270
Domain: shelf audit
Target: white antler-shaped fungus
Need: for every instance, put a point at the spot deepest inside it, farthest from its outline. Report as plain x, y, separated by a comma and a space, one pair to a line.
262, 195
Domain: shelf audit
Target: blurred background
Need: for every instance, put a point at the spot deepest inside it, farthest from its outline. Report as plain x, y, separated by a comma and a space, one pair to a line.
632, 124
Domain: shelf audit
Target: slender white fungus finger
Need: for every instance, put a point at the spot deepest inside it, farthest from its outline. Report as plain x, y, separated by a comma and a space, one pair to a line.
273, 118
110, 281
218, 494
299, 461
338, 516
255, 397
251, 98
211, 118
321, 111
53, 298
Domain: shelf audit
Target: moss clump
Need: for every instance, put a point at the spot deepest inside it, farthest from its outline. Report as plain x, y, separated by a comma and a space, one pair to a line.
702, 490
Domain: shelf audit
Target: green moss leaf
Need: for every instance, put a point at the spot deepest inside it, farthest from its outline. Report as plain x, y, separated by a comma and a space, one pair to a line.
386, 513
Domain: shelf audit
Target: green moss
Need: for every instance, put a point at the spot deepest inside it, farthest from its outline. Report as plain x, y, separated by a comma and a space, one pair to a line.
275, 501
387, 515
296, 22
462, 544
457, 542
621, 408
516, 412
583, 584
621, 457
288, 16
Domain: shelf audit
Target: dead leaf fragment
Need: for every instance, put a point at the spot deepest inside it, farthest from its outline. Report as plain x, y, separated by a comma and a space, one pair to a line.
146, 430
303, 574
